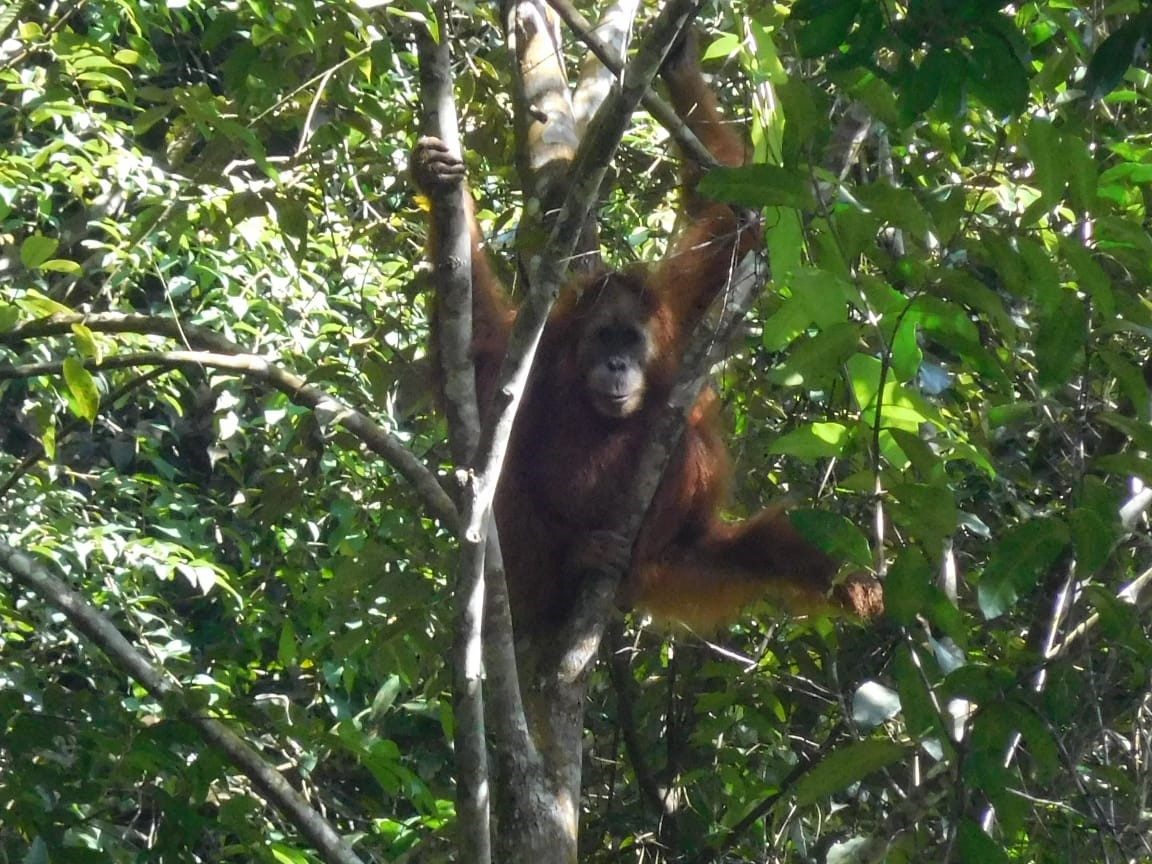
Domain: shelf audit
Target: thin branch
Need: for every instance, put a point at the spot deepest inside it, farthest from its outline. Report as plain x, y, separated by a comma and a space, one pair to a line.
290, 96
1135, 592
620, 671
188, 335
451, 254
97, 627
328, 409
542, 106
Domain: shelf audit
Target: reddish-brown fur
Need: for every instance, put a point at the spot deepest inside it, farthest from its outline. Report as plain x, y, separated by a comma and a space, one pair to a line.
568, 462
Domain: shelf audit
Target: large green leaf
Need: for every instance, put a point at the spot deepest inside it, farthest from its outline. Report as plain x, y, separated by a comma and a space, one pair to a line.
840, 769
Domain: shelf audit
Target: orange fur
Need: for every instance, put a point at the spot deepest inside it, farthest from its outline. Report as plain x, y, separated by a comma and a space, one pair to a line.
567, 462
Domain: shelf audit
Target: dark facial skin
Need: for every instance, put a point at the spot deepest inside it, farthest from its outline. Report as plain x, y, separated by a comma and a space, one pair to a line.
614, 353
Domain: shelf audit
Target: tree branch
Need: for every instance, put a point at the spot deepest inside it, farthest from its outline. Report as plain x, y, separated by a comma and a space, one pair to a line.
188, 335
613, 33
452, 275
90, 622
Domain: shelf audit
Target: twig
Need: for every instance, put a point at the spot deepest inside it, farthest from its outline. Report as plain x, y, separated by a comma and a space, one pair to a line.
1133, 592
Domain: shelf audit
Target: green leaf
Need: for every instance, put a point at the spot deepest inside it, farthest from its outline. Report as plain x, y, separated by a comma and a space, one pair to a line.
815, 441
61, 265
9, 316
843, 767
1042, 747
976, 847
1083, 176
1020, 557
906, 355
920, 715
1041, 278
786, 324
926, 461
40, 306
833, 533
816, 362
1090, 276
1113, 58
1060, 340
806, 10
1092, 538
921, 85
760, 186
386, 696
924, 510
1010, 414
826, 296
86, 342
826, 31
1123, 464
907, 589
1129, 377
1139, 433
724, 46
897, 207
286, 649
1045, 148
85, 394
997, 76
1120, 622
288, 855
864, 374
37, 249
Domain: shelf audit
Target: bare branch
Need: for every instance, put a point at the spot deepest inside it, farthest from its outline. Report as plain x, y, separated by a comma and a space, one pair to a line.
613, 32
545, 127
188, 335
1135, 592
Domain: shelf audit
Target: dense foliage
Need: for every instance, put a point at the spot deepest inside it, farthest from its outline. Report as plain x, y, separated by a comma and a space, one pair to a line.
950, 364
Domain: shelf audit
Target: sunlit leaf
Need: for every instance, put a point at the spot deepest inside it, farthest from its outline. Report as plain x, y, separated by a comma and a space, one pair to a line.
37, 249
82, 386
816, 441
